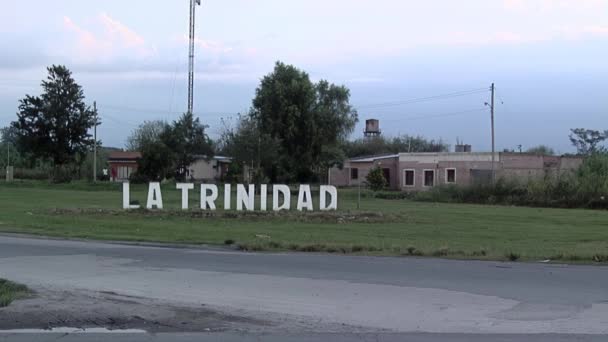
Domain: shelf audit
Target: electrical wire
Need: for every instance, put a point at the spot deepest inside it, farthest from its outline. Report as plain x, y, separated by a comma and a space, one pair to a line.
423, 99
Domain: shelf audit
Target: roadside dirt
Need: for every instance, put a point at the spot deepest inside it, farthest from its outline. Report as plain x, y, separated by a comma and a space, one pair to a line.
52, 309
48, 308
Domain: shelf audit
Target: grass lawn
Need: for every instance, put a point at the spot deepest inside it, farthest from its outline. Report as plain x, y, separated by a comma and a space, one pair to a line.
10, 291
404, 227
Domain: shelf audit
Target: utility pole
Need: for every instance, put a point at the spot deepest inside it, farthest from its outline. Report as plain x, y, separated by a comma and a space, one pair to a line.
491, 105
193, 4
95, 144
493, 146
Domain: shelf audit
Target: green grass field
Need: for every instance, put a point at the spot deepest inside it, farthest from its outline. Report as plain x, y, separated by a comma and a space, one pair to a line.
10, 291
404, 227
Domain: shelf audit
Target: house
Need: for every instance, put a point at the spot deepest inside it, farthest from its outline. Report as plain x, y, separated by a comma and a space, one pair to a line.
209, 169
122, 165
422, 171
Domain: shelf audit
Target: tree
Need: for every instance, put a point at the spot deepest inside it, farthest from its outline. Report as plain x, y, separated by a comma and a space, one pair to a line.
375, 179
168, 150
247, 145
55, 126
148, 132
187, 140
541, 150
385, 145
304, 117
587, 141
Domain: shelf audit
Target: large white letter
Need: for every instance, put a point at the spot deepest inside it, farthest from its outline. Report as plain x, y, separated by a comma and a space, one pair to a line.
155, 197
333, 194
208, 201
227, 190
245, 197
284, 189
126, 197
263, 197
305, 198
184, 187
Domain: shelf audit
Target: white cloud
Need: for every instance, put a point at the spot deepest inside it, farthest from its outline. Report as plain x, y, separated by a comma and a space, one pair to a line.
106, 40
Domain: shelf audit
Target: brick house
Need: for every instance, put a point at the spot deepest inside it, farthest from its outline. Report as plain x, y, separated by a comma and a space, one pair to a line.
422, 171
122, 165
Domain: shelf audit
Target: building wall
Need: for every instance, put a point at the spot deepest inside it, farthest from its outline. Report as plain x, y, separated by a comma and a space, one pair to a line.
203, 169
121, 170
469, 168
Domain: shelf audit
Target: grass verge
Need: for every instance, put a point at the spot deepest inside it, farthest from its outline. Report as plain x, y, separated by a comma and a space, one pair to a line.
10, 291
380, 227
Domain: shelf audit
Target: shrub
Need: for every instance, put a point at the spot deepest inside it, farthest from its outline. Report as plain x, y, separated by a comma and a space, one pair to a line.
375, 179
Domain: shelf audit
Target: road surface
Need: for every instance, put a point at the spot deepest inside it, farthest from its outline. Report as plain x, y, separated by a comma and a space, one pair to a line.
295, 294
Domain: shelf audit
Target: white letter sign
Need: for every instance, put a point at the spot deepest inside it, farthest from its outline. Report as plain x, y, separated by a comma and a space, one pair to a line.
333, 197
284, 189
304, 198
126, 200
208, 201
184, 187
155, 198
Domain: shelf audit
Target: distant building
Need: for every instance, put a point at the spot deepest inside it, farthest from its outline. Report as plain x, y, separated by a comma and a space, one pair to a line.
209, 169
122, 165
422, 171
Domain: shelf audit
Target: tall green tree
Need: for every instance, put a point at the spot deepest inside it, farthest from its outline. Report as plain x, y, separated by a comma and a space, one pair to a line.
55, 125
304, 117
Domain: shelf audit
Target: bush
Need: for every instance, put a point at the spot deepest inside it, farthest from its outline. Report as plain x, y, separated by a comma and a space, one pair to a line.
34, 174
375, 179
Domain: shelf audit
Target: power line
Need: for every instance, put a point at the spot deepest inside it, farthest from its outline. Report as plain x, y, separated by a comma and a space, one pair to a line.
423, 99
156, 111
421, 117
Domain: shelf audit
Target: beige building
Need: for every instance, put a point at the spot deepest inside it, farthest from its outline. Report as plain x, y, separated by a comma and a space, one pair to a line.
422, 171
209, 169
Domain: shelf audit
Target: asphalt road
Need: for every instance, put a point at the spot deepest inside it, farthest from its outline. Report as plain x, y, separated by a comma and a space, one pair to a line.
421, 299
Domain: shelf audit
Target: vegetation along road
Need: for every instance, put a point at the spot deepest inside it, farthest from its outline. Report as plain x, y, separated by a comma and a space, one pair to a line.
380, 227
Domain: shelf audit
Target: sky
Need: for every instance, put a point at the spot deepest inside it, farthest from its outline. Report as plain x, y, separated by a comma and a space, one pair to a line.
548, 59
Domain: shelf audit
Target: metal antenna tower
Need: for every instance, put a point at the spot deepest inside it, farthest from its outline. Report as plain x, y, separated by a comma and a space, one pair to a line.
193, 4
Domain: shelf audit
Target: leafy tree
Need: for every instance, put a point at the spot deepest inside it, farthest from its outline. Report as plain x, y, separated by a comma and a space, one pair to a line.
168, 150
305, 117
55, 125
541, 150
375, 179
187, 139
147, 132
247, 145
587, 141
157, 162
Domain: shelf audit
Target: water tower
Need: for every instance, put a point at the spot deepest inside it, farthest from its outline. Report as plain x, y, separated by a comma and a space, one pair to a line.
372, 128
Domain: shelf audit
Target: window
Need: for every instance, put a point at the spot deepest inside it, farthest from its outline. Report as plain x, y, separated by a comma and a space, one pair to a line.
450, 176
124, 172
408, 177
429, 178
354, 173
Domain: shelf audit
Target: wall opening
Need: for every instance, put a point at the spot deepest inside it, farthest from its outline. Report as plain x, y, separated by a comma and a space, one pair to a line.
429, 178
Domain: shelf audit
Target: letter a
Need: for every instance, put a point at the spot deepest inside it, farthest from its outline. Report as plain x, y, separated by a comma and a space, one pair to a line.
155, 197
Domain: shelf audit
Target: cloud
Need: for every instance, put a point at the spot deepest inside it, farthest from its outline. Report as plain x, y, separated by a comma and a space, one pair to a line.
107, 40
553, 5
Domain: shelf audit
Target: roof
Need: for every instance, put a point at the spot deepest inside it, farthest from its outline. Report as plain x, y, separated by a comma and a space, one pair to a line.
369, 159
124, 155
216, 157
